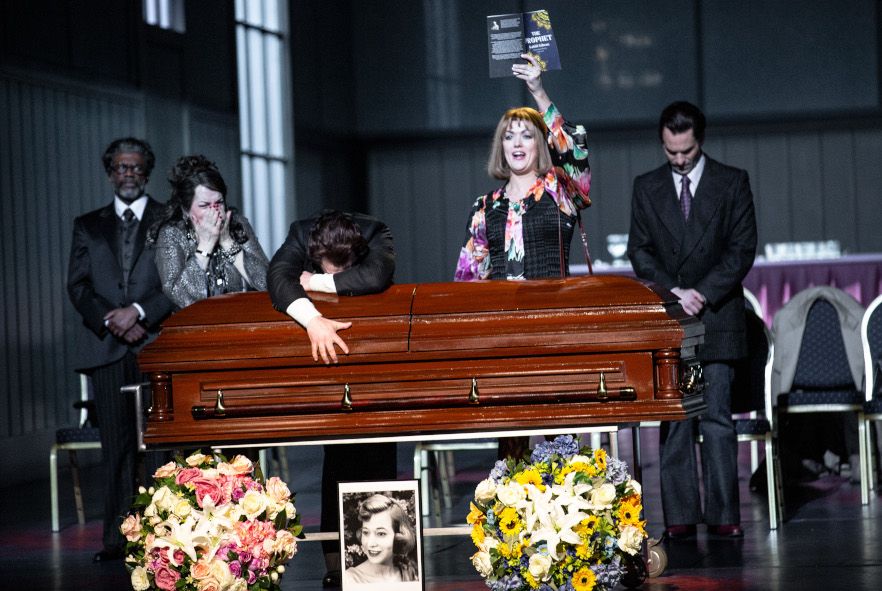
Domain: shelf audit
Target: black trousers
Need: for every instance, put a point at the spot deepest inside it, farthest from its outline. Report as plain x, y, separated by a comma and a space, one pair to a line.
119, 443
345, 463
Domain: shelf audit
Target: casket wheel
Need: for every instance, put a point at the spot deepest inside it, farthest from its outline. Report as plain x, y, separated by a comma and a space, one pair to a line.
656, 558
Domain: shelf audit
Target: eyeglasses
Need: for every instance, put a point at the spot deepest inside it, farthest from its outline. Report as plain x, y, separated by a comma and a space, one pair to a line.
122, 168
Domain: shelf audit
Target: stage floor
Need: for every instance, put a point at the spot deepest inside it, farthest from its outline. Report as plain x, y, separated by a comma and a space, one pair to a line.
829, 541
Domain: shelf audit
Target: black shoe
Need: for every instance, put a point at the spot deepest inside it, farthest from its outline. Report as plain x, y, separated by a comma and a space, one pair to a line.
333, 578
680, 532
108, 555
728, 530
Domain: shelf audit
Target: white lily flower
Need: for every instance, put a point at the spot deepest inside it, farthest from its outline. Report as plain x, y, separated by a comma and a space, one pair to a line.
537, 507
560, 528
182, 536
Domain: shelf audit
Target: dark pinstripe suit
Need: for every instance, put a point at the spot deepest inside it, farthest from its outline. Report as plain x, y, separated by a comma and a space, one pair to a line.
96, 286
710, 253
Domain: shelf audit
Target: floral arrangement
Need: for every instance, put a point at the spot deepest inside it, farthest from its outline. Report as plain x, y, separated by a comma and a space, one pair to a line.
209, 524
566, 520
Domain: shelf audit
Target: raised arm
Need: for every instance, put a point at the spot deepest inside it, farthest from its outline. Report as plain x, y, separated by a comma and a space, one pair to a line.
568, 144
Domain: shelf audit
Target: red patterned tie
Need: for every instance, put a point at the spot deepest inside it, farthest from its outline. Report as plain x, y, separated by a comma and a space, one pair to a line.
685, 197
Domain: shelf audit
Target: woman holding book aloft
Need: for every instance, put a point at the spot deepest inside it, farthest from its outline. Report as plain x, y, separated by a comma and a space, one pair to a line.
522, 230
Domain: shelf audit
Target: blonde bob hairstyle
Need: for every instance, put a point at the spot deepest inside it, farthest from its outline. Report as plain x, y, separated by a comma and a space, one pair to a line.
497, 166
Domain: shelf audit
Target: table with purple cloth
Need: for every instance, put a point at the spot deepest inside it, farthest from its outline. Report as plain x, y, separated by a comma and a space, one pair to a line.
775, 282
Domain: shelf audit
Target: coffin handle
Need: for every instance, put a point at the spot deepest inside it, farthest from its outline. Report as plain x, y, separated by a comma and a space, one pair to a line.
219, 408
602, 392
473, 393
346, 403
693, 380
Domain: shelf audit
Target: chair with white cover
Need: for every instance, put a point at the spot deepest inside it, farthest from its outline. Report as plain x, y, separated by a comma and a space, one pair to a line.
871, 341
825, 376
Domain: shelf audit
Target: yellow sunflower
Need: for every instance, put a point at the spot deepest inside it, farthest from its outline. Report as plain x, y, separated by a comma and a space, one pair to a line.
516, 550
562, 474
510, 522
584, 579
600, 458
583, 551
629, 514
530, 476
590, 523
478, 534
475, 515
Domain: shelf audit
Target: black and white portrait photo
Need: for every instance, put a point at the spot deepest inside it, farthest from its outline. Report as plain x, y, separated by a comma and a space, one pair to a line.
380, 537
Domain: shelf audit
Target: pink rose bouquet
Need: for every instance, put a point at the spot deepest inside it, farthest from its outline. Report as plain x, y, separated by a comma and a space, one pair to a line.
209, 524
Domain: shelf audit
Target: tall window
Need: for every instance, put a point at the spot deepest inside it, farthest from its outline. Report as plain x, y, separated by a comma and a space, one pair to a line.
264, 117
165, 14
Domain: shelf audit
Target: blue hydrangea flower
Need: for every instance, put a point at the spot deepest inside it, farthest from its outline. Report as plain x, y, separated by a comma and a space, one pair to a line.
616, 471
510, 582
608, 575
499, 471
563, 445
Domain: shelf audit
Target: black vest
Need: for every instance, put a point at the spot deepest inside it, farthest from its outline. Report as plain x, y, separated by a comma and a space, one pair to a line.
541, 239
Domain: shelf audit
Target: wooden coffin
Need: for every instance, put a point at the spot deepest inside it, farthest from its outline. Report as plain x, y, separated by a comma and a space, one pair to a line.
426, 358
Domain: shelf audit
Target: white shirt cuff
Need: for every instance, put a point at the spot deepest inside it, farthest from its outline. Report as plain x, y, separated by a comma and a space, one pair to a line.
141, 314
302, 310
323, 282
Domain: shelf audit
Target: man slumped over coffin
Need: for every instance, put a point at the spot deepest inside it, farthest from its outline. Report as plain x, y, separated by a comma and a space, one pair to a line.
348, 254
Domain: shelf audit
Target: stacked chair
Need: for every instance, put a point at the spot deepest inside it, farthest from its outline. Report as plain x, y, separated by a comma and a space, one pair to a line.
818, 366
752, 406
71, 440
871, 341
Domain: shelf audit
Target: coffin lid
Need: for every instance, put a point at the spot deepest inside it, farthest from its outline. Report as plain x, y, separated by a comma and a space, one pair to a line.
475, 318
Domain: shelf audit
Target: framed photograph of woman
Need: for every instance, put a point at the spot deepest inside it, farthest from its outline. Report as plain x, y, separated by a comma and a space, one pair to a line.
380, 536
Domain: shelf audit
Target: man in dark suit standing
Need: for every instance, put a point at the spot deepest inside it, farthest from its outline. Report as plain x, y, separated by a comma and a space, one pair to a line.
349, 254
693, 231
113, 283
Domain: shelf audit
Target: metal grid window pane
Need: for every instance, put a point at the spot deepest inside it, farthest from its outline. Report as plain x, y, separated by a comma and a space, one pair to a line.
263, 120
165, 14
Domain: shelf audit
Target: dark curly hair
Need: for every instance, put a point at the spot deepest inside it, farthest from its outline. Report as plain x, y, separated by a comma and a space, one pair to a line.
188, 173
129, 144
405, 535
336, 237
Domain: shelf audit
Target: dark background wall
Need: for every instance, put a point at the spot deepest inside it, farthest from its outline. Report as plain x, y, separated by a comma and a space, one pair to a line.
73, 76
393, 114
402, 94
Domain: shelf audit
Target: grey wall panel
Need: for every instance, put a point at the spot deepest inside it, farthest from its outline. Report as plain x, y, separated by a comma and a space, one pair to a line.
804, 170
216, 135
52, 136
838, 188
391, 201
771, 191
868, 168
462, 180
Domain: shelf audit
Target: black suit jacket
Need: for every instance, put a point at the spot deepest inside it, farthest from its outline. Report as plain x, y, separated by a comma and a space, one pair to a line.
710, 253
95, 284
370, 275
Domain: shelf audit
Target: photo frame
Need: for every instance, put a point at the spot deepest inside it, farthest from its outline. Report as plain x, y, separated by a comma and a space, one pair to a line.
381, 538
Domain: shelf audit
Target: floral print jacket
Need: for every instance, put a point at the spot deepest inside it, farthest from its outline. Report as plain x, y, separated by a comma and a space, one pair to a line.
567, 185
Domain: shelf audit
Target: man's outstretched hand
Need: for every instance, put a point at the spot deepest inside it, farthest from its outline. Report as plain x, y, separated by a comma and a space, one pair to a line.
323, 336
